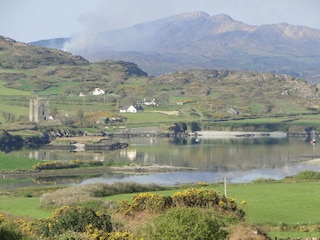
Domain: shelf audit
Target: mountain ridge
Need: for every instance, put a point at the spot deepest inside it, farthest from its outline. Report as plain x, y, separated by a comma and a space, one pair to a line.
197, 40
208, 94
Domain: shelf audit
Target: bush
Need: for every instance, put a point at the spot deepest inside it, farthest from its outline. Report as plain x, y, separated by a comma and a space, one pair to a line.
74, 219
66, 164
145, 201
185, 223
129, 187
189, 198
206, 199
9, 230
307, 175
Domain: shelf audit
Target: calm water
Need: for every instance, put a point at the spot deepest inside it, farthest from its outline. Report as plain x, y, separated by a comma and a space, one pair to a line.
239, 160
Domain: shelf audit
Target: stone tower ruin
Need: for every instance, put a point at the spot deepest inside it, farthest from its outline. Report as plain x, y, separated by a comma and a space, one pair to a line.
39, 109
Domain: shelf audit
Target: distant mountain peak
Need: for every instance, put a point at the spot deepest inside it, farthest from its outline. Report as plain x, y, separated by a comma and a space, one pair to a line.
191, 15
222, 17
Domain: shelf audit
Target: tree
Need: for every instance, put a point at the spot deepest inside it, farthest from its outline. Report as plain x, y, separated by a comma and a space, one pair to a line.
8, 117
80, 117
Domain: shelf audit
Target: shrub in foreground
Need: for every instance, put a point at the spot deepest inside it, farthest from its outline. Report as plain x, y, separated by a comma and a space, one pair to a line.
9, 230
74, 219
185, 223
307, 176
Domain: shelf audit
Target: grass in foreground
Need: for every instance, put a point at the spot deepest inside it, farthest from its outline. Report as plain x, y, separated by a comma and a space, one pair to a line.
23, 206
271, 203
290, 202
274, 202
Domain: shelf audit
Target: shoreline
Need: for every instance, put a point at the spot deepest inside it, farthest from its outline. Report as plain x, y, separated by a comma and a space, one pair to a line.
134, 170
238, 134
315, 162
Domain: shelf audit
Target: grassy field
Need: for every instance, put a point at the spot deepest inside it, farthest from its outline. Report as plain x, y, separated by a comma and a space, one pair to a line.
5, 91
10, 162
23, 206
271, 204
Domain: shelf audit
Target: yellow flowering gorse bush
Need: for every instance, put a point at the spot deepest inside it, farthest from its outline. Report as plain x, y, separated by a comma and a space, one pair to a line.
189, 198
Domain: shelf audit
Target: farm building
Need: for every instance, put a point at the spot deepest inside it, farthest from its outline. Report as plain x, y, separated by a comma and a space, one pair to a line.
132, 109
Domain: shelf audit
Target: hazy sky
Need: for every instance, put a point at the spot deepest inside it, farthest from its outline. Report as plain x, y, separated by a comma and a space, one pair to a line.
31, 20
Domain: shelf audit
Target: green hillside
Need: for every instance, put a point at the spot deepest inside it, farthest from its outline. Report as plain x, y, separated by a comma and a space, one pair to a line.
27, 71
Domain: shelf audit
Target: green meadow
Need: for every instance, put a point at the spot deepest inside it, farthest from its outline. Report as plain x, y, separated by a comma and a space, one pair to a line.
272, 202
5, 91
11, 162
267, 204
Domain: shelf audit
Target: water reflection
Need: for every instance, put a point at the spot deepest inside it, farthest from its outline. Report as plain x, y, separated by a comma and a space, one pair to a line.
243, 159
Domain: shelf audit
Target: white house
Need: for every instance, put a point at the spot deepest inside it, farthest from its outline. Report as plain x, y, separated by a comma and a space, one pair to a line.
98, 91
132, 109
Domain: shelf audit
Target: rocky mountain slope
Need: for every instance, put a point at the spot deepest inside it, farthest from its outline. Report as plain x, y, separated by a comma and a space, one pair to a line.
34, 68
199, 41
20, 55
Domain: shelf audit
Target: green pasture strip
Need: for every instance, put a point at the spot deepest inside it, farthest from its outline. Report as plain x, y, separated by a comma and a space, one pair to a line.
23, 206
16, 110
72, 109
271, 203
287, 107
10, 162
276, 203
306, 122
259, 120
303, 120
256, 107
4, 91
24, 133
5, 183
59, 88
150, 117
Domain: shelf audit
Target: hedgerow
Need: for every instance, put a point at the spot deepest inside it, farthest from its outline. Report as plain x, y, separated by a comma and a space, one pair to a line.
65, 164
127, 187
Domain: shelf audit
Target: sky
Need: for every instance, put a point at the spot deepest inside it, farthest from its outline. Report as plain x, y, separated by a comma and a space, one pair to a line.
32, 20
